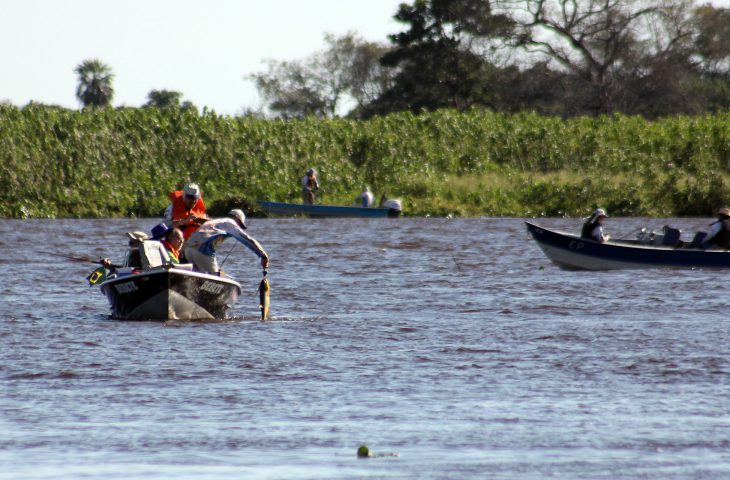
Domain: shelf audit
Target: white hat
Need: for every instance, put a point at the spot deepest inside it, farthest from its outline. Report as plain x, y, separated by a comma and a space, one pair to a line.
311, 171
599, 213
725, 212
139, 236
239, 216
192, 190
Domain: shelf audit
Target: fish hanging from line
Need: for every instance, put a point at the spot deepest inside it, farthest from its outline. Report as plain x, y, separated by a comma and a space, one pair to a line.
264, 295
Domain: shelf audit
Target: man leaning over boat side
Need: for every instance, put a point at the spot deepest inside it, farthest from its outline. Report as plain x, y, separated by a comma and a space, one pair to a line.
200, 247
186, 210
593, 226
719, 234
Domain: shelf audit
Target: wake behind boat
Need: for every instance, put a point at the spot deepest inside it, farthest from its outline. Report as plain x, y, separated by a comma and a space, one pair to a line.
390, 208
571, 252
149, 287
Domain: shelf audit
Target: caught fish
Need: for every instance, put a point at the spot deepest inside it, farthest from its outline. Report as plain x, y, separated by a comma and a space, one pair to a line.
264, 293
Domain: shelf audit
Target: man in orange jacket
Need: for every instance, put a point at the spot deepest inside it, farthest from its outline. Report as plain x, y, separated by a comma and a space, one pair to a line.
186, 210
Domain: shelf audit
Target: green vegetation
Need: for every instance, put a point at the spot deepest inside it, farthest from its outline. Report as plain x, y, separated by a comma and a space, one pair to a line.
105, 162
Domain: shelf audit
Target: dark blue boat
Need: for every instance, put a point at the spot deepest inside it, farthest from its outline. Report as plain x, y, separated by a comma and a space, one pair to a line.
571, 252
391, 208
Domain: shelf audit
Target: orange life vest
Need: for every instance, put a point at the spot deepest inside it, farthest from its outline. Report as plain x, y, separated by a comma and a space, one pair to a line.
173, 252
180, 211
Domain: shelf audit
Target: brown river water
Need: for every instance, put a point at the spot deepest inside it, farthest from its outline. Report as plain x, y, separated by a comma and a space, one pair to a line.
451, 347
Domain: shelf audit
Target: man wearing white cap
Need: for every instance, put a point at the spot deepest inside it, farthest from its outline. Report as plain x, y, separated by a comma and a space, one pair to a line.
593, 227
719, 234
200, 247
366, 198
186, 210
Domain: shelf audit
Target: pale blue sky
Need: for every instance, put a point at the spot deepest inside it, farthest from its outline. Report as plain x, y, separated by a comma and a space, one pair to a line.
203, 49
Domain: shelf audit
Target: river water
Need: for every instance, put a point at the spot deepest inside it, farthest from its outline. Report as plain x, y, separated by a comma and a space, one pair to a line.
452, 348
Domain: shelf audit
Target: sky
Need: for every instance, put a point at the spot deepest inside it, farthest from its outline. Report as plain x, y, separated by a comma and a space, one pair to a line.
203, 49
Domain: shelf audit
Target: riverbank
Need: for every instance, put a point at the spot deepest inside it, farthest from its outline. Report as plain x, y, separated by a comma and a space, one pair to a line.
122, 162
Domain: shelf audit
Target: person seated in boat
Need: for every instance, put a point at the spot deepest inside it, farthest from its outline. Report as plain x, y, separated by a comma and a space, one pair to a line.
170, 238
719, 234
186, 210
133, 257
366, 198
593, 226
200, 246
310, 184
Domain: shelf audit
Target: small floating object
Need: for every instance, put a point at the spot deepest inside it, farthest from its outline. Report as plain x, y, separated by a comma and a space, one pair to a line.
364, 452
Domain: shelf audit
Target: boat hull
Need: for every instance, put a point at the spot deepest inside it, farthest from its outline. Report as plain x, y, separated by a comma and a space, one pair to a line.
570, 252
321, 211
170, 294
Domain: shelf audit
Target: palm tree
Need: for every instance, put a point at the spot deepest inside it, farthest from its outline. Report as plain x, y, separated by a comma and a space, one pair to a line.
95, 83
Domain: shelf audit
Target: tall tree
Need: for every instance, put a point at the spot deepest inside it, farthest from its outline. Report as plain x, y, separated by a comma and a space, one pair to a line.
601, 41
713, 39
346, 72
436, 61
95, 83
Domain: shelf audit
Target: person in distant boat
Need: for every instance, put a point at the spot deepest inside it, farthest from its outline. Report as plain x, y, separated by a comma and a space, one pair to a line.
366, 197
310, 184
719, 234
186, 210
170, 238
200, 246
593, 226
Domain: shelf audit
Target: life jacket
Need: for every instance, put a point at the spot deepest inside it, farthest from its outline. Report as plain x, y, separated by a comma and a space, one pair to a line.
171, 251
722, 239
312, 181
588, 228
180, 211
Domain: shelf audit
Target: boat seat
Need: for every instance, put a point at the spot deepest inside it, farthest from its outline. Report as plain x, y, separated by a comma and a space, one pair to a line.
671, 237
153, 254
698, 240
184, 266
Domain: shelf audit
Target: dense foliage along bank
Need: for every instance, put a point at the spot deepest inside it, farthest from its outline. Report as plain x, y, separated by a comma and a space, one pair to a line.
122, 162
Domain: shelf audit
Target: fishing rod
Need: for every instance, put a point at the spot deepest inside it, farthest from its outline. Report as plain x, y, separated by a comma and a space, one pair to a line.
88, 260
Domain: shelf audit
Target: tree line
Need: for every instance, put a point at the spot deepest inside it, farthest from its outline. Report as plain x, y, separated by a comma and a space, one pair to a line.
555, 57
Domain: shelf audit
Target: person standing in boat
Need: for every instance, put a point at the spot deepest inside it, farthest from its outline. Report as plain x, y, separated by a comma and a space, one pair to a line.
310, 184
593, 226
200, 246
719, 234
186, 210
366, 198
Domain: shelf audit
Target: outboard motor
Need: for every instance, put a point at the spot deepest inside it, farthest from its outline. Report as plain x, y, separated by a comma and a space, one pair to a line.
395, 206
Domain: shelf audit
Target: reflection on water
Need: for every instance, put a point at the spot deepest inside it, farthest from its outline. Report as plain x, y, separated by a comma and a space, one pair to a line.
453, 343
